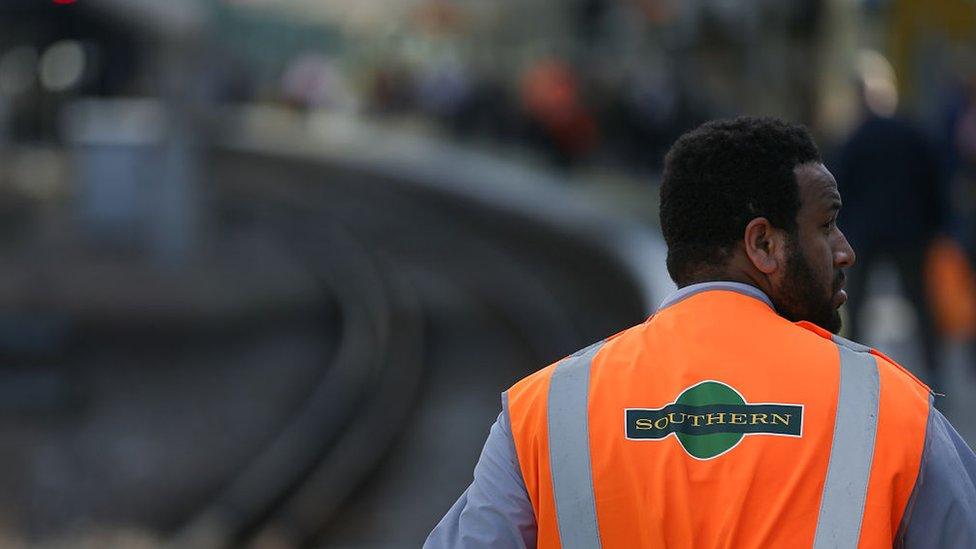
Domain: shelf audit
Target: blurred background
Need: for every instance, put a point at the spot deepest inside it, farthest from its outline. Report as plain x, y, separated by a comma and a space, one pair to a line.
266, 265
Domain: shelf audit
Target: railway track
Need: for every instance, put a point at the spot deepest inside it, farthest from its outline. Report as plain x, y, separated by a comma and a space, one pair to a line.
374, 244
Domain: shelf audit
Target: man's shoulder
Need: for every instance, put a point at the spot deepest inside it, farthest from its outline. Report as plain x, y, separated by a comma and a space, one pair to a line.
888, 368
893, 372
852, 345
536, 384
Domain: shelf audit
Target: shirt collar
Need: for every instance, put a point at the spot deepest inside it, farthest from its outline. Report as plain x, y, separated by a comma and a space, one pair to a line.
737, 287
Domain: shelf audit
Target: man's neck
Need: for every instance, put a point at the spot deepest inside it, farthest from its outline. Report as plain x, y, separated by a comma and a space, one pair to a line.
711, 285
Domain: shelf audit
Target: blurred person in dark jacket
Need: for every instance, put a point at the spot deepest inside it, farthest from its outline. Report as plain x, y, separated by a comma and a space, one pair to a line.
894, 201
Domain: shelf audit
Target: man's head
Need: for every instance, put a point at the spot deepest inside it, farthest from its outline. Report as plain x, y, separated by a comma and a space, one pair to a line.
749, 200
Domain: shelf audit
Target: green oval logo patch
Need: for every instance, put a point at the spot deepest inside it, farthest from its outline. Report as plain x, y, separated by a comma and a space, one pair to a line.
710, 418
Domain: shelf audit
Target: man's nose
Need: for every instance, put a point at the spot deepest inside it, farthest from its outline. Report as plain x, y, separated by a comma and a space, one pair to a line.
844, 256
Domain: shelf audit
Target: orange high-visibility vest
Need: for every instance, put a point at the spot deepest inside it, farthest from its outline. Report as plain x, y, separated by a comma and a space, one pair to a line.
718, 423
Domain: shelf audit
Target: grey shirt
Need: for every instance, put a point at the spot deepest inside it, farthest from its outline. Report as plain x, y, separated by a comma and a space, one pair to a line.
495, 510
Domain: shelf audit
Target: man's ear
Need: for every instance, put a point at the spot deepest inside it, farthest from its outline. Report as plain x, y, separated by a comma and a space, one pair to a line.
765, 245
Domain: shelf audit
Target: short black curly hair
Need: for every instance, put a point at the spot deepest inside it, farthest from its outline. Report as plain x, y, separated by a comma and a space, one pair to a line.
720, 176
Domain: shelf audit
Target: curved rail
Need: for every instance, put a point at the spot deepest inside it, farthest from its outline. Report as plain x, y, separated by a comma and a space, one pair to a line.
291, 492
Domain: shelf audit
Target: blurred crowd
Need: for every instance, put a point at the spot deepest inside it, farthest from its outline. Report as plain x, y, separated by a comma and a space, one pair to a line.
551, 106
888, 87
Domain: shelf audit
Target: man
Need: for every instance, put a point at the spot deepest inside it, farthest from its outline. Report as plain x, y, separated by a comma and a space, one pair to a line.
732, 417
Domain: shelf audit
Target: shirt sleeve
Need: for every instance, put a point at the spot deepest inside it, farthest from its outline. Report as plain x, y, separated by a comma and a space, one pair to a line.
942, 508
495, 510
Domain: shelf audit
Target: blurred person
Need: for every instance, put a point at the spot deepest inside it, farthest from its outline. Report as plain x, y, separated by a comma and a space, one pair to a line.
313, 81
645, 112
551, 97
951, 280
391, 89
488, 109
785, 435
895, 202
959, 152
443, 88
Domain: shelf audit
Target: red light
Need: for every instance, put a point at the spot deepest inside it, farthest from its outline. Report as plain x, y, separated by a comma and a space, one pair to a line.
64, 1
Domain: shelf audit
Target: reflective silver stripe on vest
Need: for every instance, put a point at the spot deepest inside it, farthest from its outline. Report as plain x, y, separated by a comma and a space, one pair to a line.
851, 453
569, 450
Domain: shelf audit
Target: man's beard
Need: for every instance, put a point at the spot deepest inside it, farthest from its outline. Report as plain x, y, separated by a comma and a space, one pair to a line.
803, 297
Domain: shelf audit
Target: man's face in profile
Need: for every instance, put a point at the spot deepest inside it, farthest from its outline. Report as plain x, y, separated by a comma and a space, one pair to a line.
811, 287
